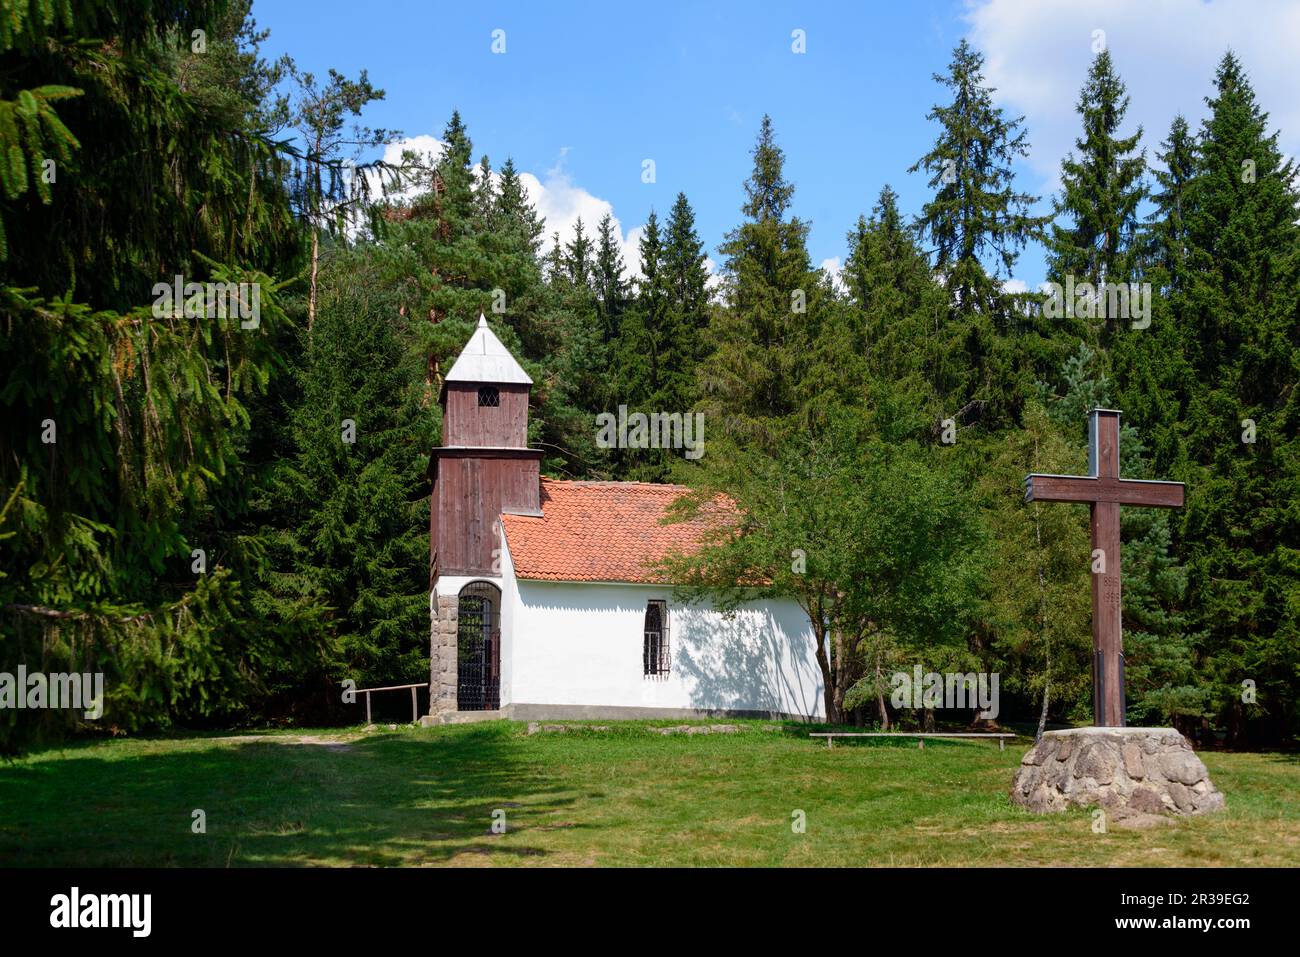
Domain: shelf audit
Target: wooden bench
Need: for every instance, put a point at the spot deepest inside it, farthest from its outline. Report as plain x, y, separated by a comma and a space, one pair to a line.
922, 735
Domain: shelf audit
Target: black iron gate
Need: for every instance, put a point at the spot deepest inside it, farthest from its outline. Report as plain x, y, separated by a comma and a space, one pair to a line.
478, 648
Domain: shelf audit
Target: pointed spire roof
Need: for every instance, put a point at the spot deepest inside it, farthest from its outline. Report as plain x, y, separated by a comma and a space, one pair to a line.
486, 359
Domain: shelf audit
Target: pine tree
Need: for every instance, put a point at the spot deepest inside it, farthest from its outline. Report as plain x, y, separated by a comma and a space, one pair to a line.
1150, 366
355, 485
1166, 239
438, 251
319, 114
123, 487
752, 380
577, 258
645, 339
1101, 191
685, 275
898, 310
685, 281
516, 212
977, 215
514, 245
485, 200
607, 277
976, 211
1242, 326
578, 358
641, 355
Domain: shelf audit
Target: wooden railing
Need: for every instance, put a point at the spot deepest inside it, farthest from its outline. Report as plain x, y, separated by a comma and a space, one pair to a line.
415, 707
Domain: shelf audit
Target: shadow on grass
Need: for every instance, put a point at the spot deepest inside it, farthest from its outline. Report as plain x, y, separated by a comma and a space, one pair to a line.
390, 799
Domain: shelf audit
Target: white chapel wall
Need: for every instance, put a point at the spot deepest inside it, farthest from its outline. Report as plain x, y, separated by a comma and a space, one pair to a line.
580, 644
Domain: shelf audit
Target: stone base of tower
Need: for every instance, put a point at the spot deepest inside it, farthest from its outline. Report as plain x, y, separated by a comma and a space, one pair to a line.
1124, 770
442, 655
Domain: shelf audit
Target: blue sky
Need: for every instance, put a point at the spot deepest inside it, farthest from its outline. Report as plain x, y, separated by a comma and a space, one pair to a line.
585, 92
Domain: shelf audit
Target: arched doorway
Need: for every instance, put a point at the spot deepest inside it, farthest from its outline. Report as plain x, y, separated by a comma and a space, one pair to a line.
478, 647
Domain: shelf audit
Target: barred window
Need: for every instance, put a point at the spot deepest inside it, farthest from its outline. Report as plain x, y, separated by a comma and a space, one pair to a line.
488, 396
655, 656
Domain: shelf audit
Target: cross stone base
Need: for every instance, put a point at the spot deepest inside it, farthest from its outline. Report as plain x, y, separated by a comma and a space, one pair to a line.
1125, 770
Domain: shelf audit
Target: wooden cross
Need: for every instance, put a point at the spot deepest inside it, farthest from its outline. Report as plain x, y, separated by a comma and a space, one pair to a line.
1105, 492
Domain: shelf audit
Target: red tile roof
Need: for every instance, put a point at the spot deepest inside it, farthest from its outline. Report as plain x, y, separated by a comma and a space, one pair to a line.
602, 531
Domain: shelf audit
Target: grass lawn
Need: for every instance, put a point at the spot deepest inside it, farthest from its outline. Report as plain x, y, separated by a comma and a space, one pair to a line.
623, 797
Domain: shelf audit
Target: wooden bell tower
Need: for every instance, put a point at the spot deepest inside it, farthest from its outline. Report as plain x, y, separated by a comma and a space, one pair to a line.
484, 465
483, 468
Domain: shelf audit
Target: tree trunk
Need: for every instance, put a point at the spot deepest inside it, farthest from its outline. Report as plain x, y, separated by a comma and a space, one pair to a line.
880, 696
828, 679
315, 265
841, 678
1042, 715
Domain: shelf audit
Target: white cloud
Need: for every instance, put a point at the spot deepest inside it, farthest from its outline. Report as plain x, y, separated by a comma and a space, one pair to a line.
1014, 286
713, 283
428, 147
556, 198
835, 270
1038, 51
562, 203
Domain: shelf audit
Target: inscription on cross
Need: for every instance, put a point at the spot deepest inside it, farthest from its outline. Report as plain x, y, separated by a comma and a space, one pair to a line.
1105, 492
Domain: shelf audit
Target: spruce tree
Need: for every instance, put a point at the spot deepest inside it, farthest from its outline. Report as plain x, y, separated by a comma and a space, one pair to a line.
1150, 365
513, 246
897, 307
752, 381
1165, 242
1242, 422
1102, 188
685, 284
643, 353
645, 342
125, 482
976, 224
975, 212
578, 258
485, 200
355, 484
607, 276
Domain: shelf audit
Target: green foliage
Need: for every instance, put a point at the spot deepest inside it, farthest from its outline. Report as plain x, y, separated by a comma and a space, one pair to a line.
894, 564
975, 211
752, 379
358, 516
1102, 188
1228, 253
116, 427
663, 335
977, 217
125, 424
1034, 624
825, 400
